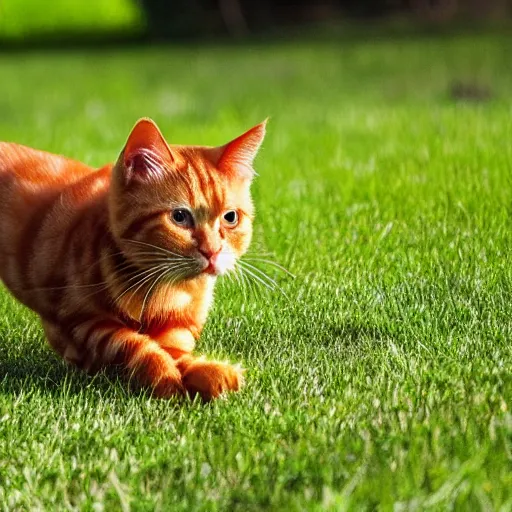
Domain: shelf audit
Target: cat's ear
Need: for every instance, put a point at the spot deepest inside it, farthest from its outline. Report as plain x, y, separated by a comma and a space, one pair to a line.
146, 153
237, 156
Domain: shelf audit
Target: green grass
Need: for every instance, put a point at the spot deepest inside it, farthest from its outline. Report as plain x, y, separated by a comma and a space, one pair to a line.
384, 380
20, 19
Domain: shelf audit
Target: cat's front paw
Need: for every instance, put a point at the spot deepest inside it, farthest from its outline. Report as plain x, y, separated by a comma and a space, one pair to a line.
168, 387
210, 379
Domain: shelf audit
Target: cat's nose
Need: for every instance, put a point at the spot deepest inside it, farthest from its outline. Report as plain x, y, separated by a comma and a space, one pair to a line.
209, 253
211, 258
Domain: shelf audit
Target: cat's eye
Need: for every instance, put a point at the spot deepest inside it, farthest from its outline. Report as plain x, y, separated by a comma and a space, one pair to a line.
231, 218
182, 217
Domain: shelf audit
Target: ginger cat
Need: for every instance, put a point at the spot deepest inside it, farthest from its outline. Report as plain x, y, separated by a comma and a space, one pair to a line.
120, 263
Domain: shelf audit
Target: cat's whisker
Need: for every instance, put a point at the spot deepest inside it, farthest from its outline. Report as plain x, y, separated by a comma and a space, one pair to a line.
149, 262
166, 251
272, 263
128, 262
72, 286
181, 272
140, 282
230, 277
255, 286
239, 279
158, 255
106, 284
142, 246
167, 270
247, 282
258, 279
178, 271
246, 265
252, 285
144, 282
137, 273
176, 267
158, 277
259, 274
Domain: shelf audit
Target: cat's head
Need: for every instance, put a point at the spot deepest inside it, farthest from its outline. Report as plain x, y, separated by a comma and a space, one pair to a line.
185, 209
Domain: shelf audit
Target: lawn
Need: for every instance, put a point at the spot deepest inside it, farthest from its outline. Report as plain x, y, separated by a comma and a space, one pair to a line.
382, 375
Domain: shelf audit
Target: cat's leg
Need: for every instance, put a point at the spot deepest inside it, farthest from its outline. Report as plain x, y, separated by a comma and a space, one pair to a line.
176, 341
209, 379
97, 343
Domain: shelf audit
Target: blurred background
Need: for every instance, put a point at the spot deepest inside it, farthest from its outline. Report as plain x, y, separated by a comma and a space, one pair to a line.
32, 22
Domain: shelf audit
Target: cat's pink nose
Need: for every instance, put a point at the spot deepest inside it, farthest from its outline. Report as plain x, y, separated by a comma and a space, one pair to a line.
211, 256
209, 253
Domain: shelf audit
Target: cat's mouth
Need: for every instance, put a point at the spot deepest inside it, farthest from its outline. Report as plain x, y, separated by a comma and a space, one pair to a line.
218, 264
210, 269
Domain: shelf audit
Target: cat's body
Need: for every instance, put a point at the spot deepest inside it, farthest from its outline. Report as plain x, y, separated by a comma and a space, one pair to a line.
115, 278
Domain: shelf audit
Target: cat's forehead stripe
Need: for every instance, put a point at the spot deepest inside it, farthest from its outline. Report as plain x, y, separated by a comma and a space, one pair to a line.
205, 189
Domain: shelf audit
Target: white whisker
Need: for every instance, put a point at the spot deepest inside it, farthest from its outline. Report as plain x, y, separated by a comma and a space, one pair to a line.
273, 263
180, 271
258, 273
166, 251
140, 283
258, 279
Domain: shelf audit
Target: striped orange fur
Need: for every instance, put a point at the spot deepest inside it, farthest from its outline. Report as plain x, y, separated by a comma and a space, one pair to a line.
120, 262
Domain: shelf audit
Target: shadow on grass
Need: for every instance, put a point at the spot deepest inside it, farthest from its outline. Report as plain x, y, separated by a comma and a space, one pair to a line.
41, 371
354, 332
350, 334
24, 369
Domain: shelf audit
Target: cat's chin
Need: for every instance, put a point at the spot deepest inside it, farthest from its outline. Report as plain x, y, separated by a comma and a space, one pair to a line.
216, 270
212, 271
